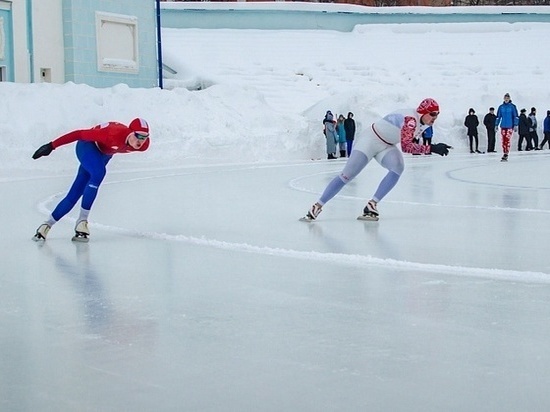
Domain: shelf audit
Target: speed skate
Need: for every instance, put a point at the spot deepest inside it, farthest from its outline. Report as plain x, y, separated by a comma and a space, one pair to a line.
80, 237
368, 217
312, 213
370, 212
81, 232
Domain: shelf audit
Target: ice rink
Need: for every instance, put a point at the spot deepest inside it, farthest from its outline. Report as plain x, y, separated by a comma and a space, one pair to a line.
201, 291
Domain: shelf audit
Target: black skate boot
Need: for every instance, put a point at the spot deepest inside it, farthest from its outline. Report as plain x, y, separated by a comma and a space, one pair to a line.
312, 214
370, 212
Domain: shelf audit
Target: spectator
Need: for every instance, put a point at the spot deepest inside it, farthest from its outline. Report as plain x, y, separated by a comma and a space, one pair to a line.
507, 119
427, 136
472, 122
546, 130
523, 131
489, 122
329, 130
533, 135
349, 125
340, 129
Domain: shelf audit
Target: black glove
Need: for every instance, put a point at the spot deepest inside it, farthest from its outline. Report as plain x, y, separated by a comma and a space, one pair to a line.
441, 149
43, 150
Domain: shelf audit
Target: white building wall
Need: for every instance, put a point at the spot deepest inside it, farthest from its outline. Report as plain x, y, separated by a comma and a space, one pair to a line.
21, 57
48, 41
46, 50
57, 41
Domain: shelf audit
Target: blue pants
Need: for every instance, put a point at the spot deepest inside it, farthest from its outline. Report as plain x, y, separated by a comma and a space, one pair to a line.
90, 174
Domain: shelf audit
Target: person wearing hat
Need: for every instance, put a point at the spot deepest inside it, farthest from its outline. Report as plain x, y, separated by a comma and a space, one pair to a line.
533, 125
379, 141
507, 119
341, 131
94, 149
489, 122
349, 126
471, 122
523, 131
546, 130
331, 136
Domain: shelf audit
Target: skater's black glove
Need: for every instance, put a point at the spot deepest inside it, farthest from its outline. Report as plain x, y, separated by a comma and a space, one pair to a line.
43, 150
441, 149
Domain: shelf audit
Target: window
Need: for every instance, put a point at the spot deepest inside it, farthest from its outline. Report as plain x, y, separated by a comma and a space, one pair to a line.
117, 43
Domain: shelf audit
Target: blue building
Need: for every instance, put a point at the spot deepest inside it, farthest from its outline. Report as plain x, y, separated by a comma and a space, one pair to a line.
97, 42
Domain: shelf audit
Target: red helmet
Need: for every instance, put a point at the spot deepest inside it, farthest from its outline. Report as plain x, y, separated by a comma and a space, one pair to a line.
428, 105
139, 126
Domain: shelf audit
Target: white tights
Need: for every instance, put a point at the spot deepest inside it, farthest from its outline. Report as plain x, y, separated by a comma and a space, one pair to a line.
390, 158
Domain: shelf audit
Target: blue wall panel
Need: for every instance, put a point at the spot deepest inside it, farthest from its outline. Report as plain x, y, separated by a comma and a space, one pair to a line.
181, 18
6, 59
79, 27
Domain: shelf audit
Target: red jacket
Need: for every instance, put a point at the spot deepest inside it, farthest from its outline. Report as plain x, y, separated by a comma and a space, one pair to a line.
110, 138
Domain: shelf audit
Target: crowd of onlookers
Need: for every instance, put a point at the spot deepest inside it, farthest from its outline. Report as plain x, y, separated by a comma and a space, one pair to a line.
509, 121
340, 133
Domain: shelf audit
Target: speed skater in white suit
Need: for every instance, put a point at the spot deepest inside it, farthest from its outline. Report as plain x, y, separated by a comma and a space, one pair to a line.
379, 142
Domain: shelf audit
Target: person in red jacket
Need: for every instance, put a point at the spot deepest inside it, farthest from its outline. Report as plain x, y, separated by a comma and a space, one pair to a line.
94, 148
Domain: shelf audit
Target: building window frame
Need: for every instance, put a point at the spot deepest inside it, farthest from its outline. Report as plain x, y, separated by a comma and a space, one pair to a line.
117, 43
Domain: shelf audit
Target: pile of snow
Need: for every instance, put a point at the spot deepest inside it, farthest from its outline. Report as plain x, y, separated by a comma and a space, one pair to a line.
260, 95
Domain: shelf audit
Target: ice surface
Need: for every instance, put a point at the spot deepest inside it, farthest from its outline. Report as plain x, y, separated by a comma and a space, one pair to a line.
196, 293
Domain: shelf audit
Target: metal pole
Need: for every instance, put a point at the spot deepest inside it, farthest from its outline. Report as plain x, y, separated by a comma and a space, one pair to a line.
30, 40
159, 45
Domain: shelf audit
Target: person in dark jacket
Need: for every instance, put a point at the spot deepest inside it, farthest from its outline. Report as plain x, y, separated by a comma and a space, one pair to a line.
523, 131
489, 122
533, 125
546, 130
349, 126
472, 122
507, 119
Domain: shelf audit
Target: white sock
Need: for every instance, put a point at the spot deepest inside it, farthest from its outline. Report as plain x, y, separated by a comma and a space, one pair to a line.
83, 215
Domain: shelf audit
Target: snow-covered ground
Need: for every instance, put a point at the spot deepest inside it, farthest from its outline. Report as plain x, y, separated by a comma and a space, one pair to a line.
200, 290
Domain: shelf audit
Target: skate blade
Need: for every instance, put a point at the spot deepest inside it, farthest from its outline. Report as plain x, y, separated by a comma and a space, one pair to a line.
38, 238
80, 238
306, 219
368, 218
